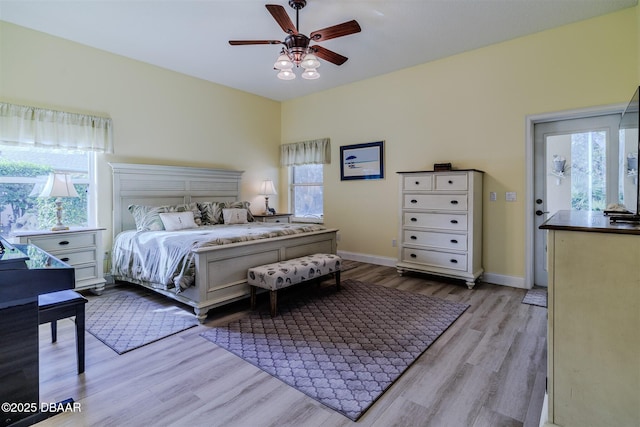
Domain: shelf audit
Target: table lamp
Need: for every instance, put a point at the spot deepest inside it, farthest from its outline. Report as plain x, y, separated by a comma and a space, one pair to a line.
267, 189
59, 185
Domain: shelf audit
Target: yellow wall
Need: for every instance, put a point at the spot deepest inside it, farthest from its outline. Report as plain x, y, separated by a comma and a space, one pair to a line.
469, 110
159, 116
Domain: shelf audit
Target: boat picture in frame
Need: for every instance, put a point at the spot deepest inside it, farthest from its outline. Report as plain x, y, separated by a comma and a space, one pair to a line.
362, 161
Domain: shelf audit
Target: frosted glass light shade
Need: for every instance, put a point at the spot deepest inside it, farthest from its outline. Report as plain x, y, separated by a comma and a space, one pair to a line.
286, 75
310, 74
283, 63
310, 61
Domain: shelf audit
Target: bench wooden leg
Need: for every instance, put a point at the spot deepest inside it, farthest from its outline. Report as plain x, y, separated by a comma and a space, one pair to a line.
338, 280
253, 297
273, 299
54, 331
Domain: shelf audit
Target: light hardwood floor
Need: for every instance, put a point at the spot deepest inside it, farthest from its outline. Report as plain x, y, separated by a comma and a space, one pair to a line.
487, 370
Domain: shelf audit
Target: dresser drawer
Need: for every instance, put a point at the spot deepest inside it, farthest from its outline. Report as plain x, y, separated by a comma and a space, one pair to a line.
436, 259
417, 182
451, 182
64, 241
435, 239
450, 202
444, 221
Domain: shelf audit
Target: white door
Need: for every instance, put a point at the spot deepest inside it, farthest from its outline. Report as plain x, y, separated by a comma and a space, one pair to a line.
579, 164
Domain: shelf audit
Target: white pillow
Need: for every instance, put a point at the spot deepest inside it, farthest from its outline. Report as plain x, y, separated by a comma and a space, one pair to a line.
178, 220
234, 216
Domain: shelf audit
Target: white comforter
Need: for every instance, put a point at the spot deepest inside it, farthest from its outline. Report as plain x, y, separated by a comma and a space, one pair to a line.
164, 259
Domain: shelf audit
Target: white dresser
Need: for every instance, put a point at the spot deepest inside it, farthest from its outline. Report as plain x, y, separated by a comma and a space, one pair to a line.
441, 224
81, 248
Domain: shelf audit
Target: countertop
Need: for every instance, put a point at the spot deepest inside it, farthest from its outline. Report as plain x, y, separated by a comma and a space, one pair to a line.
595, 222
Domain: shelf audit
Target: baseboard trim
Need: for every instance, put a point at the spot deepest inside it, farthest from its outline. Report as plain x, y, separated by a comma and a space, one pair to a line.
493, 278
370, 259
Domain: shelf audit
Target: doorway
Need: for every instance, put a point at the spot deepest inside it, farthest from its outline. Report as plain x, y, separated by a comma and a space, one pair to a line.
579, 163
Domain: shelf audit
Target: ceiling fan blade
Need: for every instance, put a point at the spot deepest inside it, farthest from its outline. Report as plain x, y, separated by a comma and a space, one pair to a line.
246, 42
329, 55
339, 30
282, 18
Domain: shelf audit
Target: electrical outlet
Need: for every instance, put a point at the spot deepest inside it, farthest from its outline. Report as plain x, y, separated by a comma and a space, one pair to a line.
510, 196
394, 243
493, 196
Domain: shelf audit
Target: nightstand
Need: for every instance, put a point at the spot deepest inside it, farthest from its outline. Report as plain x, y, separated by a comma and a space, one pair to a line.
279, 217
81, 248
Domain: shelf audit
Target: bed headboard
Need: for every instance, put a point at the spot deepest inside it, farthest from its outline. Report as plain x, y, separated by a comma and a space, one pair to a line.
153, 185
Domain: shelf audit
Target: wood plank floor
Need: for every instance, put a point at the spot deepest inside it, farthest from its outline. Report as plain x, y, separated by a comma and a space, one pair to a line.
487, 370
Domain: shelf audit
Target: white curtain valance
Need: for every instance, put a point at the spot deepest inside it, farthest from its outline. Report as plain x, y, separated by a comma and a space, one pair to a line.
317, 151
31, 126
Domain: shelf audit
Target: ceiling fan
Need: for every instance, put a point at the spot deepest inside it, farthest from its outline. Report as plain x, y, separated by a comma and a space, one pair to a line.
296, 50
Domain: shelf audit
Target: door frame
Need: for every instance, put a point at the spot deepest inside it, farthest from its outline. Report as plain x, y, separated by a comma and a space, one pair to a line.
530, 122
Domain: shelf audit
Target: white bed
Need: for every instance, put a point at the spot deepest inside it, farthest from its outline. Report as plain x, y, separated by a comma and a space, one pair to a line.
221, 270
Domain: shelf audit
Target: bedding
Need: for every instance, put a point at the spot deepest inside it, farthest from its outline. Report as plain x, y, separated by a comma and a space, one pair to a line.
164, 259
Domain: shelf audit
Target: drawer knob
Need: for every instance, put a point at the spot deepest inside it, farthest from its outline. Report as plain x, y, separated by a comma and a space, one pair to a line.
64, 242
454, 221
454, 261
414, 238
417, 182
414, 201
454, 202
450, 182
454, 241
414, 219
64, 259
413, 256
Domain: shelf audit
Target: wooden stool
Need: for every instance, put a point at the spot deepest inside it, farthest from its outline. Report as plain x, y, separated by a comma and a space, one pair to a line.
60, 305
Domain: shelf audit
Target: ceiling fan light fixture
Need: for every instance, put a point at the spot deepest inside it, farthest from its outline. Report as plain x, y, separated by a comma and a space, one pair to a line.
283, 62
310, 74
286, 75
310, 61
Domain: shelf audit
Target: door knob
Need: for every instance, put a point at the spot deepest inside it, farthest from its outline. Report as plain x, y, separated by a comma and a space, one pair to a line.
540, 213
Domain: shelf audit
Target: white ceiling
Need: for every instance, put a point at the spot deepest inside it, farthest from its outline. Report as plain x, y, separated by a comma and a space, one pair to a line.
191, 36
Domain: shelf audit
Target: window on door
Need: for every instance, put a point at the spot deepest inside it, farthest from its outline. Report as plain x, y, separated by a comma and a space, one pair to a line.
23, 174
307, 192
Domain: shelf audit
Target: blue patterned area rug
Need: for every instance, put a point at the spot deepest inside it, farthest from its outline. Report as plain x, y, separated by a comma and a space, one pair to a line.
343, 348
125, 319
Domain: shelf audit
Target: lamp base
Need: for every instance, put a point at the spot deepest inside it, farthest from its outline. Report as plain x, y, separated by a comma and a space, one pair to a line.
59, 228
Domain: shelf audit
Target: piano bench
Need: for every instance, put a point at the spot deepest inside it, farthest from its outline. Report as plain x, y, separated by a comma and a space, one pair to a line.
59, 305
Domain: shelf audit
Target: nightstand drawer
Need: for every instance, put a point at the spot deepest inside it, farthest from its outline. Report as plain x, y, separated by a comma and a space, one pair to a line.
276, 219
64, 241
86, 272
77, 257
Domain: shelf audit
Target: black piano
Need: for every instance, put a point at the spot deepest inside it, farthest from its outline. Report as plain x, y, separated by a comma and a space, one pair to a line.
25, 272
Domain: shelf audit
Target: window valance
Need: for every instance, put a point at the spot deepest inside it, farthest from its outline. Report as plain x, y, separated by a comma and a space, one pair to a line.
23, 125
317, 151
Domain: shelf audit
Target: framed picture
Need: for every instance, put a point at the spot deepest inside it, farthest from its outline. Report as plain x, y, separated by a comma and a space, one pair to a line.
362, 161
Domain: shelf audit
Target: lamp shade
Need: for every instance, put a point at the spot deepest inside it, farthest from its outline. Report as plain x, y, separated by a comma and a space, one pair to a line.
59, 185
267, 188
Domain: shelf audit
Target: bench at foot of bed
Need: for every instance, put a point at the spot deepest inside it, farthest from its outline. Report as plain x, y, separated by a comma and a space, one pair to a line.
280, 275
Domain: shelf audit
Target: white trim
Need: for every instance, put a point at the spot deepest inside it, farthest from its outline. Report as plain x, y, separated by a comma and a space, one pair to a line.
530, 122
504, 280
370, 259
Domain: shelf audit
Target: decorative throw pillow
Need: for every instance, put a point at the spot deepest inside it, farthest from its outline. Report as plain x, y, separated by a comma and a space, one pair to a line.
211, 212
178, 220
240, 205
234, 216
193, 207
147, 218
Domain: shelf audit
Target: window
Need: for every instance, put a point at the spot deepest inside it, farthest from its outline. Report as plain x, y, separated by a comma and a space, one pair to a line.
307, 192
23, 173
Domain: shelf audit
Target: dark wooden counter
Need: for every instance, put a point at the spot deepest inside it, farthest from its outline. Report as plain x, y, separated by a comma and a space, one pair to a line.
588, 221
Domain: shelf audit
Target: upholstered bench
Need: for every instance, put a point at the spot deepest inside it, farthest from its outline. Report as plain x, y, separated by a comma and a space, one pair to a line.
283, 274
